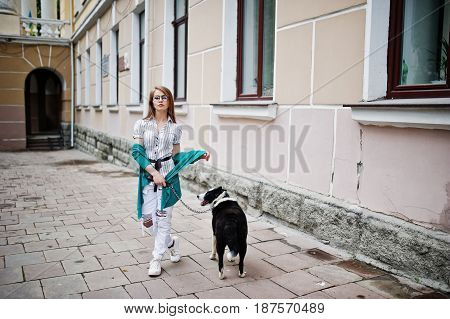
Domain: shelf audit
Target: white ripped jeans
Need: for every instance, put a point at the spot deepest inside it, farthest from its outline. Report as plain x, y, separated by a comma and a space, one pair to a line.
162, 221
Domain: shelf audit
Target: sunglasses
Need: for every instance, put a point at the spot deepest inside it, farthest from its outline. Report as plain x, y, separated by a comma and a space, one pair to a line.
160, 97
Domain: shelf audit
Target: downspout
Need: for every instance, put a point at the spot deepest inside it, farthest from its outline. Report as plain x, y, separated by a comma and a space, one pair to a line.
72, 85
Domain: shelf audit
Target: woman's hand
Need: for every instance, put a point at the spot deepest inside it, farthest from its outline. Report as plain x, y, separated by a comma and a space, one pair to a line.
205, 156
158, 179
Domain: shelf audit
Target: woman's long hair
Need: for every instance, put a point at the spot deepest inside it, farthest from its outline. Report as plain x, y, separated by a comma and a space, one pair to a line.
151, 107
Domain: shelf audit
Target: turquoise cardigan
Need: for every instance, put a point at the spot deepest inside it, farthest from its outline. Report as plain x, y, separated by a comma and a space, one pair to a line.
181, 160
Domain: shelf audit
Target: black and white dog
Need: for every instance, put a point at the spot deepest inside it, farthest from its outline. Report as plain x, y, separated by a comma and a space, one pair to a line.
229, 226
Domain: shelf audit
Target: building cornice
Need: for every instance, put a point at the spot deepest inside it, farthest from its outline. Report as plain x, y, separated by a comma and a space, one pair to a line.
91, 19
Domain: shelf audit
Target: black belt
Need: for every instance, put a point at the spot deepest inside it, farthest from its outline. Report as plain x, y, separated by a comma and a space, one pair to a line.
158, 167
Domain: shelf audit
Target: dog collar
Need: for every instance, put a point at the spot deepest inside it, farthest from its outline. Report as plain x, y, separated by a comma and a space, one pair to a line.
221, 199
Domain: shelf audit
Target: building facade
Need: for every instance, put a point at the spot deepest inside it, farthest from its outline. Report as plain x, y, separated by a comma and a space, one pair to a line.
330, 115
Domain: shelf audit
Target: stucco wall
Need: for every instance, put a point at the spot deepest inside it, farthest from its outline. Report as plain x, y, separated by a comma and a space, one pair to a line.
16, 62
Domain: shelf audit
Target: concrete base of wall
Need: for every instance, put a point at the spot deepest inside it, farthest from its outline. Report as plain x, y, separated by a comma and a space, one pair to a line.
112, 149
384, 241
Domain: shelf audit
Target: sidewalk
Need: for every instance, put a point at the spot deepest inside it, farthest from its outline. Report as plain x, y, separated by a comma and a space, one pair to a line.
68, 229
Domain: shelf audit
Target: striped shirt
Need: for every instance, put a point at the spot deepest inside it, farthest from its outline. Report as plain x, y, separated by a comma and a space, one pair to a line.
158, 144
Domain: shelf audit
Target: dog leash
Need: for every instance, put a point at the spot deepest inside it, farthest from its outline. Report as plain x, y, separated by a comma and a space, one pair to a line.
186, 205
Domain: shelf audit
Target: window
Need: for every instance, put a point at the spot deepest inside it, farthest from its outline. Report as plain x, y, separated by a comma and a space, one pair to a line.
256, 31
180, 30
77, 7
114, 67
78, 66
87, 78
141, 54
98, 74
418, 49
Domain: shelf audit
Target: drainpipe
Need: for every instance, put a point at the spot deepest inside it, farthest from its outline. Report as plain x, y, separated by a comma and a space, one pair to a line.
72, 85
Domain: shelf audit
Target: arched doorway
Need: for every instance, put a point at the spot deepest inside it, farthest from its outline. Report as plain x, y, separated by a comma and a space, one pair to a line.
43, 108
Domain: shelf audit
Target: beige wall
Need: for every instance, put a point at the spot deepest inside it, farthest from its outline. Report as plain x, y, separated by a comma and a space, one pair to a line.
16, 62
294, 11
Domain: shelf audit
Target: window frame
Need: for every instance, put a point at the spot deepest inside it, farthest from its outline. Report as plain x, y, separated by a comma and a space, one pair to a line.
99, 73
394, 89
176, 23
78, 81
240, 46
141, 56
87, 79
117, 49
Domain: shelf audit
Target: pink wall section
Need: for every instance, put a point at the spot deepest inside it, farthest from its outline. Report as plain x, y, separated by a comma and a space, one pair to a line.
347, 155
317, 149
406, 173
250, 158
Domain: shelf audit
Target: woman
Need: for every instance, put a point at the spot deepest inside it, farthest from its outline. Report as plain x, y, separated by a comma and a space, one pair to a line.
160, 135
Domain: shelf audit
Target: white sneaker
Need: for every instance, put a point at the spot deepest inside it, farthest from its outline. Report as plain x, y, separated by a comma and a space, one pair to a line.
154, 268
175, 250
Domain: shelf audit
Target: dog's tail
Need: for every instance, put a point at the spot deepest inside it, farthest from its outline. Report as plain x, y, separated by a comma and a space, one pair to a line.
231, 236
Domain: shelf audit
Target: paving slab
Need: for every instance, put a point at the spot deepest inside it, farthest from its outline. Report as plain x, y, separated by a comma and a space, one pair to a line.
62, 254
300, 282
117, 260
334, 274
103, 237
125, 245
102, 279
135, 273
110, 293
26, 290
389, 287
184, 266
189, 283
221, 293
22, 239
11, 275
204, 261
316, 295
264, 289
142, 255
266, 235
351, 291
231, 277
54, 235
24, 259
137, 291
42, 271
11, 249
72, 241
274, 248
260, 269
62, 286
82, 265
41, 245
158, 289
96, 250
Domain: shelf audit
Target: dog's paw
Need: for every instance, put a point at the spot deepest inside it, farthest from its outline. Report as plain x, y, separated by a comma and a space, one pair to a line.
212, 256
221, 275
230, 256
243, 274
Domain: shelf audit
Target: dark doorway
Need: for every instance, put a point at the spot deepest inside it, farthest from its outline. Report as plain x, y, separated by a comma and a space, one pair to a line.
43, 102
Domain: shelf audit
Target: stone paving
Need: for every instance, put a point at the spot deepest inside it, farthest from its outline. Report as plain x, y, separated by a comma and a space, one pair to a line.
68, 230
